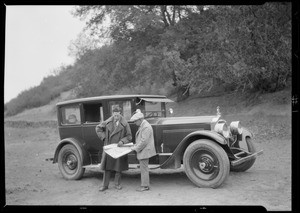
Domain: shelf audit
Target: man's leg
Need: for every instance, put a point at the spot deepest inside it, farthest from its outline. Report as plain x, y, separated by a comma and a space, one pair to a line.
144, 172
118, 176
105, 181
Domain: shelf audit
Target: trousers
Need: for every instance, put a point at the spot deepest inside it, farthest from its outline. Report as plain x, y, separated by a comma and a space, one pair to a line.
106, 178
145, 180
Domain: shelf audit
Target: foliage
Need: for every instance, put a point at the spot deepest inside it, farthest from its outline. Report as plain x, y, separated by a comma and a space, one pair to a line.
198, 48
243, 47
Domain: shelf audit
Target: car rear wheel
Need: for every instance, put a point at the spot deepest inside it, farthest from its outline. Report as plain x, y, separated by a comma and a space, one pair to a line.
206, 163
248, 147
70, 163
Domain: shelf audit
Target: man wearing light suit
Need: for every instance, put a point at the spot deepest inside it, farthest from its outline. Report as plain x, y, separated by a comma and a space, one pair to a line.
144, 147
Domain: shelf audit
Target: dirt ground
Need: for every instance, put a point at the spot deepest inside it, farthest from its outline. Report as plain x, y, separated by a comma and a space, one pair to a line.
32, 180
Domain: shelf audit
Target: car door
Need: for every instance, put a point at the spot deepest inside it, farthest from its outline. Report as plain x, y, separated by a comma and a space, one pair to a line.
92, 116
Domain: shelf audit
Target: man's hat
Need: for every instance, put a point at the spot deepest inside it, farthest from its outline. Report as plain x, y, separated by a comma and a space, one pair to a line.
116, 109
138, 115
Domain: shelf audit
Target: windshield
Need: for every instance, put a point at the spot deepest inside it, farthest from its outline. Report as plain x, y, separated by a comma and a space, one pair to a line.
152, 109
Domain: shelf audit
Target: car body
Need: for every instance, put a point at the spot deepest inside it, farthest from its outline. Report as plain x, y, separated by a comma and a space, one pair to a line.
206, 146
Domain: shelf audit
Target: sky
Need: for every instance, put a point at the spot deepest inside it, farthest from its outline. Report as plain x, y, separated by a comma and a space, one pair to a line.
36, 43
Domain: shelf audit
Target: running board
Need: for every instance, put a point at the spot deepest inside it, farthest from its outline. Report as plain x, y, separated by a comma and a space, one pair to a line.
92, 166
131, 166
247, 158
137, 166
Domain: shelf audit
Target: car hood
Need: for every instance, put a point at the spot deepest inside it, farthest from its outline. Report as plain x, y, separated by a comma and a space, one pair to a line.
182, 120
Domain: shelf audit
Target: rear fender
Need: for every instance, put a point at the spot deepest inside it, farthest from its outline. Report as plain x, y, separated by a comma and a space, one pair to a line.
84, 155
174, 161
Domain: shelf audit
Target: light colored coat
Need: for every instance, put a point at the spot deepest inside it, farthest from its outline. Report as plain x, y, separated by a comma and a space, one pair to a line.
107, 131
144, 138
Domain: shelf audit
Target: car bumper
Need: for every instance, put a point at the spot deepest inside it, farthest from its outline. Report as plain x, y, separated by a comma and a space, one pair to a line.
247, 158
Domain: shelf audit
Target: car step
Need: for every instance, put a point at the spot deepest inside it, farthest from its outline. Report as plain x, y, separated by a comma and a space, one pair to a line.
137, 166
131, 166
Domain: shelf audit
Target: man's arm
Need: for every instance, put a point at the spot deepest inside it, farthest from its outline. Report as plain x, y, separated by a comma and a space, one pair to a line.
100, 129
128, 135
145, 134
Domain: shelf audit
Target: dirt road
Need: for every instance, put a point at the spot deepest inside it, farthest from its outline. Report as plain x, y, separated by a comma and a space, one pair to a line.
32, 180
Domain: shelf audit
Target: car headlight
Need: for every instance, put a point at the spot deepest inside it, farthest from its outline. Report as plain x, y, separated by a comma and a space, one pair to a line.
236, 127
223, 129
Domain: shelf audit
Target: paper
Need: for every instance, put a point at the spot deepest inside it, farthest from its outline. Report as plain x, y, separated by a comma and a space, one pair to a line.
114, 151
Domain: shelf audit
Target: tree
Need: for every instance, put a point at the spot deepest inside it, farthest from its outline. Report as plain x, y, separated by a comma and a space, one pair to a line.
199, 48
138, 27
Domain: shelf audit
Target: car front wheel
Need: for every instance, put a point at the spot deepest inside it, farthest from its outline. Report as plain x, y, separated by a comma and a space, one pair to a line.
69, 163
206, 163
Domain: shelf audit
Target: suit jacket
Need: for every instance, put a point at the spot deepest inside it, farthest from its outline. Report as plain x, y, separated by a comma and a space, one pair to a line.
113, 135
144, 138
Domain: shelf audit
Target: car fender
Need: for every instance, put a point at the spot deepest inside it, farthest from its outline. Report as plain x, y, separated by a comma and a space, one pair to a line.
84, 155
174, 161
246, 133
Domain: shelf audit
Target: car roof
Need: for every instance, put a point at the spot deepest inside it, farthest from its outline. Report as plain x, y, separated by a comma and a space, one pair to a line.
107, 97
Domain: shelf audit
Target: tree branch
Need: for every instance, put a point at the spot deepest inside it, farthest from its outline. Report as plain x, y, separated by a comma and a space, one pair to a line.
168, 16
179, 14
163, 10
174, 11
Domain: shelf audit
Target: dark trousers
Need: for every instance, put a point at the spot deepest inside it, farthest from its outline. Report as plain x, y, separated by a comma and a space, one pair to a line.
106, 178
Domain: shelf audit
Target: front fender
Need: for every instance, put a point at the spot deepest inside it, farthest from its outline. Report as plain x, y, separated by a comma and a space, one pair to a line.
174, 161
84, 155
246, 133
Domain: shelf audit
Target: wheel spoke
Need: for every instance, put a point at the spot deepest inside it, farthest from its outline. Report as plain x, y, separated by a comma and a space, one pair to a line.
205, 164
70, 163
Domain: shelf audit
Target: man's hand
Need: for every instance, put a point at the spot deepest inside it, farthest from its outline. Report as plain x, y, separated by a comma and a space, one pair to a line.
120, 143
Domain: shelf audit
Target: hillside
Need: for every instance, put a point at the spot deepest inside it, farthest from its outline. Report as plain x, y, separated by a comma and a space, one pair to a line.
277, 103
43, 113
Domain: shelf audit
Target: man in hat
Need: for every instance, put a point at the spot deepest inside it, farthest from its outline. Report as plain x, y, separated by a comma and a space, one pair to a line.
114, 130
144, 147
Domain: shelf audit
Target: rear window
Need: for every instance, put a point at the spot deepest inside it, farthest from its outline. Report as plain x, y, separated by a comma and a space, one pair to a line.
70, 115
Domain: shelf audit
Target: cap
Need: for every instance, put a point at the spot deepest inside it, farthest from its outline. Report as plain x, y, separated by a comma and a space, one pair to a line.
138, 115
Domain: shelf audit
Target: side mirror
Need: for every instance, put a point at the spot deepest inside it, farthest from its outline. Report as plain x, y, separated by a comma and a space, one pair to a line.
171, 111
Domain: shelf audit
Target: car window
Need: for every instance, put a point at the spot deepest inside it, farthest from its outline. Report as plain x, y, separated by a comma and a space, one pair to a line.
124, 105
153, 109
71, 115
93, 113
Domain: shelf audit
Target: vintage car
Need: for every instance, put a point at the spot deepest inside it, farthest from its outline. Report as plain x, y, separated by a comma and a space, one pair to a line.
207, 146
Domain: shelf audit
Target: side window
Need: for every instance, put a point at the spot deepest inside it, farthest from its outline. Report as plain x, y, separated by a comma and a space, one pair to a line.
93, 112
71, 115
124, 105
153, 109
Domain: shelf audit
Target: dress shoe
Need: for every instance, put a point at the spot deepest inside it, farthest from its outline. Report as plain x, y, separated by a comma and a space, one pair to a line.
119, 187
143, 188
103, 188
